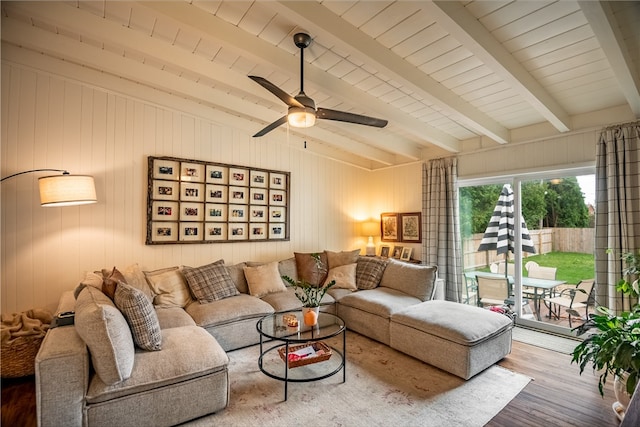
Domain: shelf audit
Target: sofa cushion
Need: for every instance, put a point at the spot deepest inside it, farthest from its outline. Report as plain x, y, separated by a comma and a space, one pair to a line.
169, 287
174, 317
287, 300
413, 279
135, 277
460, 323
264, 279
188, 352
382, 302
107, 335
210, 282
308, 270
236, 272
140, 315
344, 275
369, 272
337, 259
228, 310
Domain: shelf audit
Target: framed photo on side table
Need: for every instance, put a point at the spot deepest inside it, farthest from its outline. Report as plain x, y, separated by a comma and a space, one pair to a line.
406, 254
389, 227
397, 252
384, 251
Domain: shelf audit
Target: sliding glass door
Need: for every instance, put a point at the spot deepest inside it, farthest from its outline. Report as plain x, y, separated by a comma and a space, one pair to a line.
550, 250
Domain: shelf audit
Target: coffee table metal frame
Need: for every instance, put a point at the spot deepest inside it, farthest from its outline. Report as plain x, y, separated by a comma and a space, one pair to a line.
271, 328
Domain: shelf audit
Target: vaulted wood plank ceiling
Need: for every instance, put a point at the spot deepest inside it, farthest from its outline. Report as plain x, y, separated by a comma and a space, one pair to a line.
441, 72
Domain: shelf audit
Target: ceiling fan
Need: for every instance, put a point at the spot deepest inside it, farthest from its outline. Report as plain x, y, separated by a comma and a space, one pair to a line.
302, 111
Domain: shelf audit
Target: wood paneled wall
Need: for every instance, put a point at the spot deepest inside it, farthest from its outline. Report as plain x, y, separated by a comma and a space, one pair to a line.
54, 122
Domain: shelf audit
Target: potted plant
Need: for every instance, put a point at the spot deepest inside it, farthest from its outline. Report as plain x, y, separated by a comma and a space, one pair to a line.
311, 294
613, 343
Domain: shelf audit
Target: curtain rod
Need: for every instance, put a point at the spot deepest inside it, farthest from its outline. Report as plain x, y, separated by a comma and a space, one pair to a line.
635, 123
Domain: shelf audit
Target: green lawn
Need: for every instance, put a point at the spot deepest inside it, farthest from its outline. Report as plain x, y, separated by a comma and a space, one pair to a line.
572, 267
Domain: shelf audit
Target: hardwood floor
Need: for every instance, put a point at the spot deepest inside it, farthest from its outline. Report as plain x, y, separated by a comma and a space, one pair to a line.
557, 396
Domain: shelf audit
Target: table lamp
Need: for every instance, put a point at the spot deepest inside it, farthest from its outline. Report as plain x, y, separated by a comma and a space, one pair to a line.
370, 229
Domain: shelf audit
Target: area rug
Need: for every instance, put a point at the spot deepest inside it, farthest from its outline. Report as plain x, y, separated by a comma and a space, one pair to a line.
383, 388
545, 340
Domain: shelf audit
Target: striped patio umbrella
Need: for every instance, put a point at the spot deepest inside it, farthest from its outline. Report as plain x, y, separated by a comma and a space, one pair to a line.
500, 233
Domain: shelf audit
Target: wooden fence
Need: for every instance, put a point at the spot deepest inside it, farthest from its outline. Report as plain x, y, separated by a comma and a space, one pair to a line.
547, 240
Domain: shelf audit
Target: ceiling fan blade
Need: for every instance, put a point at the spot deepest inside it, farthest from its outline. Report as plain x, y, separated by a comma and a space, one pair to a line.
284, 96
272, 126
342, 116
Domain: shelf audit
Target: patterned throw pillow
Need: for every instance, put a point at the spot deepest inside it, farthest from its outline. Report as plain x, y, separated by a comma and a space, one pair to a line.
140, 315
210, 282
369, 272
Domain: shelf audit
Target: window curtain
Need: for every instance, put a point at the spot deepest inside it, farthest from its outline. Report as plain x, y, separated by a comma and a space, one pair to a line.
617, 209
440, 225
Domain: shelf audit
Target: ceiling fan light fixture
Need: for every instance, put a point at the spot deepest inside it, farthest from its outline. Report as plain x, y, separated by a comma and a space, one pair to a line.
301, 117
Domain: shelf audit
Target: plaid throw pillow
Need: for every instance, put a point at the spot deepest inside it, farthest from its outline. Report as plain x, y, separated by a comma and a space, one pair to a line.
140, 315
369, 272
210, 282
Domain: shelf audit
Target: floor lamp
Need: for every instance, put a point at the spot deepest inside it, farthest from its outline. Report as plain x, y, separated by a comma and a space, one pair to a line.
63, 190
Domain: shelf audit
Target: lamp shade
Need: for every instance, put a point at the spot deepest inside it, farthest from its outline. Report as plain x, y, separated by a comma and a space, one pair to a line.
371, 228
67, 190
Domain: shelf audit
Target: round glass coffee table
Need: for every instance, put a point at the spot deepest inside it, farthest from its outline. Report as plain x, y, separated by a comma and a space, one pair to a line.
273, 329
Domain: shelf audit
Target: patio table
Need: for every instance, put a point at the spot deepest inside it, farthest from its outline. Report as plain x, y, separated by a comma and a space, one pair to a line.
540, 286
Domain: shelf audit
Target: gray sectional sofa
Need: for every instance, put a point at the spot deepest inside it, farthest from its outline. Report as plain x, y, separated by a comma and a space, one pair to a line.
97, 371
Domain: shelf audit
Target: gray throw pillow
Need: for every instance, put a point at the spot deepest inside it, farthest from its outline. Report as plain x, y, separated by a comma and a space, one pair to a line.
210, 282
106, 333
141, 317
413, 279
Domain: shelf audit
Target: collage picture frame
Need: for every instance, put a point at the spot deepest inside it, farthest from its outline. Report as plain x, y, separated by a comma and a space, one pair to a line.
192, 201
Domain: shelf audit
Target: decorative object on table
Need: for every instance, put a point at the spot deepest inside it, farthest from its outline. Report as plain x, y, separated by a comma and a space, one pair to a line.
202, 202
406, 254
290, 320
389, 227
411, 226
305, 354
309, 293
613, 348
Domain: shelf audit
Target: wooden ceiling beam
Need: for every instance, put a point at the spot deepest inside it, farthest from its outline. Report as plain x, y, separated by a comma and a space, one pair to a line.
604, 25
464, 27
317, 17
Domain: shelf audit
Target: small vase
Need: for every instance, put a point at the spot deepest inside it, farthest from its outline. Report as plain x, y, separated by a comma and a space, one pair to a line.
310, 315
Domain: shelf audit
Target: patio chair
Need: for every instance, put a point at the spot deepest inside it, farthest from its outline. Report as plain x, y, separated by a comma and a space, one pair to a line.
492, 290
571, 299
471, 291
535, 271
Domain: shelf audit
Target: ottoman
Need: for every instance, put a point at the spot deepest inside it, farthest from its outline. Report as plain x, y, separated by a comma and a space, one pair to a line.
458, 338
